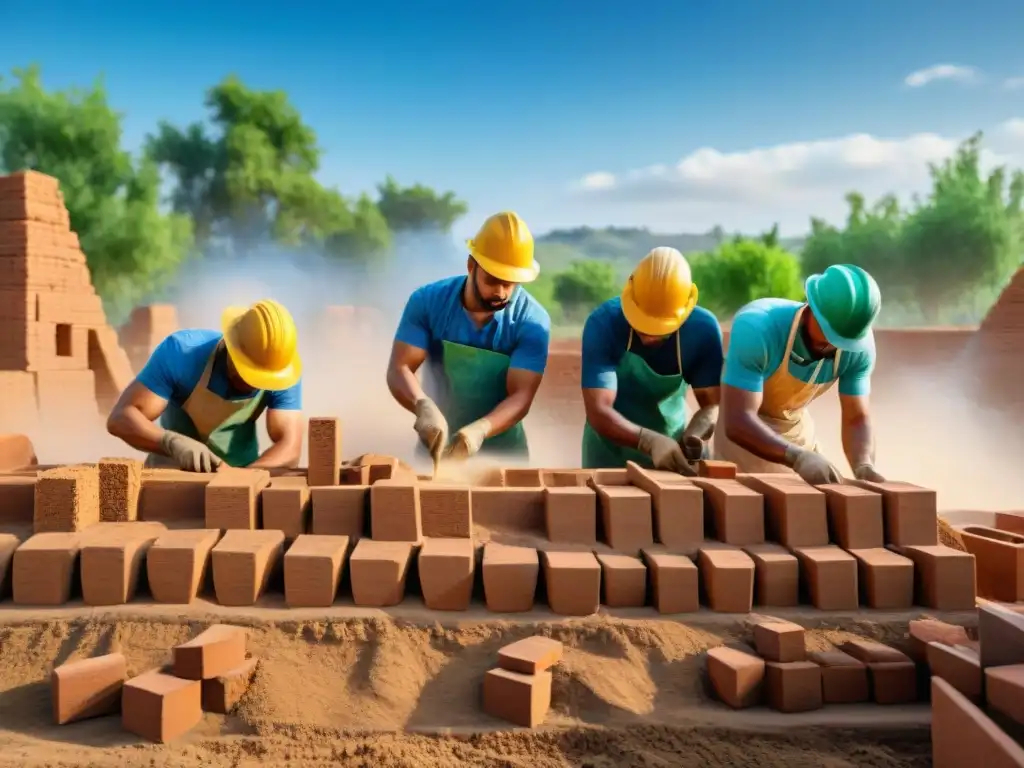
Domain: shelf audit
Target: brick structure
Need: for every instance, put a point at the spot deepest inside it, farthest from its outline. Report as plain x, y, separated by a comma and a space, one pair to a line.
146, 328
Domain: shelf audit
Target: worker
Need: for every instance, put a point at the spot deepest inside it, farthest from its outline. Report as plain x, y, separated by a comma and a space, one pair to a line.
208, 388
782, 356
485, 342
641, 351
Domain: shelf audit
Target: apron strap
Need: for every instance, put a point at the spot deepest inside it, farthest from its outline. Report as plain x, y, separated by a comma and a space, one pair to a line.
629, 343
789, 347
679, 354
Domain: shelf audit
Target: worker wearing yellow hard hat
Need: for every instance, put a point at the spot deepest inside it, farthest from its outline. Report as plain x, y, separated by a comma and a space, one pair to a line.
785, 354
485, 344
208, 388
641, 352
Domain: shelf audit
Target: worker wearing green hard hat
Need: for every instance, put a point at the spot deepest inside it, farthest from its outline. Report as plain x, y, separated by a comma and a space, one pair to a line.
785, 354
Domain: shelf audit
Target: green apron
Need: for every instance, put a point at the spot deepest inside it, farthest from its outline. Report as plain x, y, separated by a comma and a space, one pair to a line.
648, 399
227, 427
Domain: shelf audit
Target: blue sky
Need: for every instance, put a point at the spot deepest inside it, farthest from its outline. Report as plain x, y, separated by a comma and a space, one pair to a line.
512, 105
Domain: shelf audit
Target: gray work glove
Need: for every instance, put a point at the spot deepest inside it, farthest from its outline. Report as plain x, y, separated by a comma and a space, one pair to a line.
867, 472
190, 455
432, 427
814, 468
694, 439
665, 453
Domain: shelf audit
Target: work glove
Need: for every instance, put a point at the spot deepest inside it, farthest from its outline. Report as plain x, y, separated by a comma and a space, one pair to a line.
867, 472
814, 468
467, 441
665, 453
190, 455
431, 426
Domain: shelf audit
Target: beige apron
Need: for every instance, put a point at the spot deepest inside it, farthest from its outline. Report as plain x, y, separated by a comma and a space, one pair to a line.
783, 409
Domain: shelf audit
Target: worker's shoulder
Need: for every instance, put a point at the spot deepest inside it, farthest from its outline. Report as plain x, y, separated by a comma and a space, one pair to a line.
526, 309
701, 322
192, 341
766, 314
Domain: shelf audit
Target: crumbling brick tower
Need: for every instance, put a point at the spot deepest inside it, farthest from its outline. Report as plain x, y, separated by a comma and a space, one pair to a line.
145, 329
994, 357
59, 358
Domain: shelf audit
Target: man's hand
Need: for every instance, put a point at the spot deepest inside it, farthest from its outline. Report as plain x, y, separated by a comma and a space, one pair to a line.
868, 473
190, 455
467, 441
665, 453
814, 468
694, 438
431, 426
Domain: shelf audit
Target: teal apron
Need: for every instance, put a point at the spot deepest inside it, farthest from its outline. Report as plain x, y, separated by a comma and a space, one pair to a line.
648, 399
226, 427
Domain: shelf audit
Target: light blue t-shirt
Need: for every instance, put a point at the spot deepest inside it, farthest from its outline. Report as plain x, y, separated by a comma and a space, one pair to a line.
757, 343
435, 313
606, 336
176, 366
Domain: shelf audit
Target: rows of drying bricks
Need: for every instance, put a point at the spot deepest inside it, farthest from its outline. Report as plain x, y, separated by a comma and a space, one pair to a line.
209, 673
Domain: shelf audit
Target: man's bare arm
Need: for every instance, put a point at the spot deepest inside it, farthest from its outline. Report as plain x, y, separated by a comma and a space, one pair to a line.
522, 389
744, 427
606, 421
858, 435
285, 429
402, 381
133, 418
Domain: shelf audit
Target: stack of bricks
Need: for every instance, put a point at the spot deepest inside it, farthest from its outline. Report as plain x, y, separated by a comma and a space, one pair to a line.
59, 360
518, 690
145, 329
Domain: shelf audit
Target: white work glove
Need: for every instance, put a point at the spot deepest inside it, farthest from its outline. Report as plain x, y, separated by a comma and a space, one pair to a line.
814, 468
665, 453
868, 473
468, 440
190, 455
431, 426
698, 432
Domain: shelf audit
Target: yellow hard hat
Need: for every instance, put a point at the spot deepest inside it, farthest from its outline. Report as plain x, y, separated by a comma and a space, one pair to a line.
263, 344
660, 293
504, 248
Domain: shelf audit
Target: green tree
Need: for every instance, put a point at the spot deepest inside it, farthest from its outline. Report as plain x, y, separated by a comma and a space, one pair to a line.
740, 271
418, 207
583, 286
132, 248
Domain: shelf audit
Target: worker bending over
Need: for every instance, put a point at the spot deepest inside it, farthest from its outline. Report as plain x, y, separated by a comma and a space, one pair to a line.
640, 353
782, 356
208, 388
485, 342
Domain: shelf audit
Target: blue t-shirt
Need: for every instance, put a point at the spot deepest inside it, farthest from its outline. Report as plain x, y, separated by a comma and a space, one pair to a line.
606, 336
434, 313
177, 364
757, 343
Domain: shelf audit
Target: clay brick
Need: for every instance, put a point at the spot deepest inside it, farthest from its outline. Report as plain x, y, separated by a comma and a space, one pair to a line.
677, 506
87, 688
733, 513
313, 567
1001, 632
793, 686
781, 641
794, 511
964, 735
67, 500
161, 707
446, 511
379, 570
910, 512
111, 562
17, 499
324, 451
873, 652
222, 693
674, 582
520, 699
925, 631
1012, 522
844, 679
624, 579
1004, 691
574, 582
776, 575
999, 560
8, 544
610, 477
737, 678
355, 476
854, 516
626, 516
944, 578
120, 484
886, 579
447, 568
510, 577
286, 508
959, 666
579, 478
340, 511
232, 499
570, 515
169, 494
213, 652
513, 509
531, 655
176, 564
893, 682
728, 578
44, 569
830, 575
16, 451
521, 477
395, 513
243, 563
716, 470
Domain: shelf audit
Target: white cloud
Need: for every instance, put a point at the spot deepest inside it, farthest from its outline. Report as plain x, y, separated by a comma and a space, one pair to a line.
1013, 83
938, 72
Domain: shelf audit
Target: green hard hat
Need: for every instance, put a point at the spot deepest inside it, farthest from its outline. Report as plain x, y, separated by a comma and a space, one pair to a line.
845, 301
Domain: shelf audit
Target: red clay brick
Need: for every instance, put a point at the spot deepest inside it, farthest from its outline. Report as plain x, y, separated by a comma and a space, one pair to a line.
925, 631
313, 567
355, 476
120, 484
324, 451
610, 477
793, 686
521, 477
67, 499
176, 564
111, 562
379, 570
446, 511
830, 575
736, 512
873, 652
1012, 522
44, 568
520, 699
624, 580
447, 568
573, 581
892, 674
716, 470
728, 578
959, 666
17, 499
87, 688
169, 494
531, 655
1004, 690
677, 506
944, 578
286, 508
16, 451
1001, 632
222, 693
854, 516
510, 577
232, 499
844, 679
999, 561
674, 582
794, 511
964, 735
213, 652
570, 515
781, 641
513, 509
161, 707
340, 510
886, 579
395, 513
556, 478
243, 564
626, 517
910, 513
776, 575
737, 678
